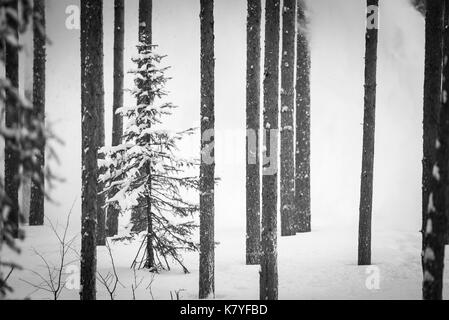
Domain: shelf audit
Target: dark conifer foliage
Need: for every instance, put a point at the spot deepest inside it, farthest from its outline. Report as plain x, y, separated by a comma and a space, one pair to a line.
24, 134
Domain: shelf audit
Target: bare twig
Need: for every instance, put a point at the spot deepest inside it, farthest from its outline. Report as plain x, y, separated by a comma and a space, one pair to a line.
52, 281
135, 285
111, 280
176, 294
150, 285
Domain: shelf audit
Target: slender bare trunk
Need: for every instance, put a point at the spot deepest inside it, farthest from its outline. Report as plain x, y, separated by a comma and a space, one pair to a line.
432, 98
101, 214
302, 137
12, 183
117, 120
253, 132
149, 263
207, 167
268, 260
39, 39
288, 223
92, 93
437, 181
369, 121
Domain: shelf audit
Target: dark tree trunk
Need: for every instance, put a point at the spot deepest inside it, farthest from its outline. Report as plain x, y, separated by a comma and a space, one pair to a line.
149, 263
101, 214
445, 75
12, 115
37, 192
268, 261
117, 120
146, 21
302, 155
366, 192
207, 167
432, 98
435, 224
288, 223
253, 131
92, 92
146, 37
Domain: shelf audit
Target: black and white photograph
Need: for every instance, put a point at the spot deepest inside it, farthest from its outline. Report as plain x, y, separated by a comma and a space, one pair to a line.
224, 150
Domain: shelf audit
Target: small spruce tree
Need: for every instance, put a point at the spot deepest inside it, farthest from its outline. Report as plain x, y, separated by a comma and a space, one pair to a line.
146, 173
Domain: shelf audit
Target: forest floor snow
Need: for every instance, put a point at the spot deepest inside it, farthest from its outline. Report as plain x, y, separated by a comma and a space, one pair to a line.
317, 265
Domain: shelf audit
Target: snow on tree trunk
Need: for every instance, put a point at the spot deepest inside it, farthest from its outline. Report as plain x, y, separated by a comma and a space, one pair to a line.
302, 136
253, 131
436, 219
117, 120
366, 192
432, 98
207, 166
39, 40
91, 104
268, 260
288, 223
12, 121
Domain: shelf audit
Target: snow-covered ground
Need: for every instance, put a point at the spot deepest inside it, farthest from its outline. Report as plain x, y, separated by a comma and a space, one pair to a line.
318, 265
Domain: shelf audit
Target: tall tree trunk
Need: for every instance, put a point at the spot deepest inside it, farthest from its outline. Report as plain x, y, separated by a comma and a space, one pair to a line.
253, 131
146, 37
207, 167
12, 184
432, 98
26, 60
92, 93
101, 214
117, 120
302, 137
288, 223
436, 219
445, 75
366, 192
268, 261
39, 40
